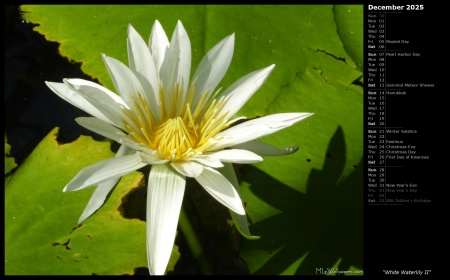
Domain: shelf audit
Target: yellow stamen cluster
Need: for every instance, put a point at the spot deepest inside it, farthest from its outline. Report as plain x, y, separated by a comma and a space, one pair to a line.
180, 131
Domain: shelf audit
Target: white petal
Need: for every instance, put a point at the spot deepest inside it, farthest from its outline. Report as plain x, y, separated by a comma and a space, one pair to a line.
143, 66
103, 171
236, 156
256, 128
177, 63
265, 149
126, 83
212, 68
98, 198
208, 161
85, 86
221, 189
159, 43
164, 198
101, 127
239, 220
151, 158
241, 90
109, 103
187, 168
76, 99
136, 146
101, 192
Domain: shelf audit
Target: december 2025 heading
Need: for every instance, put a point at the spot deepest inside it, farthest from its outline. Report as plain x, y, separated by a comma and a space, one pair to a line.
406, 7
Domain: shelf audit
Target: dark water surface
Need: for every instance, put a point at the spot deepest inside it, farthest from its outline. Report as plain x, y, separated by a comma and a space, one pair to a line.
32, 110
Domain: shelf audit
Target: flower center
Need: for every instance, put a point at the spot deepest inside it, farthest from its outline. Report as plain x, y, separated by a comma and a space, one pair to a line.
180, 131
174, 140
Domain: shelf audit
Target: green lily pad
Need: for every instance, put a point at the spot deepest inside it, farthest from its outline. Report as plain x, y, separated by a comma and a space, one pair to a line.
302, 204
41, 232
349, 21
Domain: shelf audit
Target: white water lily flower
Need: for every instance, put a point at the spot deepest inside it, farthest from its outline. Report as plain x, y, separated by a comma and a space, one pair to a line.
182, 129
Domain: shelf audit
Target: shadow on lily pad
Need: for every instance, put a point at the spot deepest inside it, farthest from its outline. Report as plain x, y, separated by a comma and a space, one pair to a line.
321, 228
